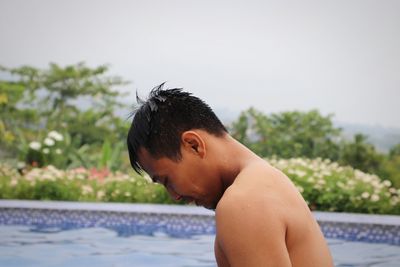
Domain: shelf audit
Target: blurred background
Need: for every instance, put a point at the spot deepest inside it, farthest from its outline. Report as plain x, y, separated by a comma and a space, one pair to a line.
289, 79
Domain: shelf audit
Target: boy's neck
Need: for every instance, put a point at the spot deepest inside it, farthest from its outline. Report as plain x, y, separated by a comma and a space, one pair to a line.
233, 158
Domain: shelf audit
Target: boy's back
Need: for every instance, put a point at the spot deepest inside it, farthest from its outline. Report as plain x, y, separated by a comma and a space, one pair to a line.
262, 220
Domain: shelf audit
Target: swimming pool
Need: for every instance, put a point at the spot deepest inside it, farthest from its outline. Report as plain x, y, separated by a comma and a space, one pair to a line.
70, 234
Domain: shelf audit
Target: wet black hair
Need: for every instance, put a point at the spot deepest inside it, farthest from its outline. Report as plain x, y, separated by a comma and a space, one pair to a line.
159, 121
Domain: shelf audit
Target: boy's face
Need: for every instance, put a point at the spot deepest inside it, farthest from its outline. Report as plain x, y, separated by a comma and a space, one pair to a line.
191, 179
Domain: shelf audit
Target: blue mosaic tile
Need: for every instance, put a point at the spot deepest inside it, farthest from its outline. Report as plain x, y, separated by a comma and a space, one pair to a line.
124, 223
371, 233
176, 221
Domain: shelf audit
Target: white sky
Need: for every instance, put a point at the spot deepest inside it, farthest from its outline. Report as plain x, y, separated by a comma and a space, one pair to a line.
341, 57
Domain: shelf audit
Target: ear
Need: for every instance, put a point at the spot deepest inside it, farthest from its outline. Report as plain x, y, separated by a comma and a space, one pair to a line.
194, 143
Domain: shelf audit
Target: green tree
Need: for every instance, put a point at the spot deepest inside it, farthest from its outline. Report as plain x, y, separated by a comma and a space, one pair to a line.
14, 108
390, 168
288, 134
361, 155
309, 134
394, 151
76, 100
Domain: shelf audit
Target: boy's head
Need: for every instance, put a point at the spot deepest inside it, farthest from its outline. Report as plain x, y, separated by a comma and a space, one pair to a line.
159, 122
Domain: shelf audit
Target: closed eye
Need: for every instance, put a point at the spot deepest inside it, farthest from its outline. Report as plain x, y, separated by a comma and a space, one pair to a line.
156, 179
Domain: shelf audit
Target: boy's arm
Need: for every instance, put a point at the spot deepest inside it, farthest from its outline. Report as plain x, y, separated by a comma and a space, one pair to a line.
251, 231
219, 255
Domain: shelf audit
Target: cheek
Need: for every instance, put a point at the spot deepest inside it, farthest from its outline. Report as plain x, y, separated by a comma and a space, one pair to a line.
192, 176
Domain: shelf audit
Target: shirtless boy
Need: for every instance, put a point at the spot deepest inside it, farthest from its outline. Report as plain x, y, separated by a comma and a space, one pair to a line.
261, 218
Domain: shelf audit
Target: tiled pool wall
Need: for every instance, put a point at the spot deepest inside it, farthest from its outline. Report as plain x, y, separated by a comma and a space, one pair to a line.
177, 221
125, 219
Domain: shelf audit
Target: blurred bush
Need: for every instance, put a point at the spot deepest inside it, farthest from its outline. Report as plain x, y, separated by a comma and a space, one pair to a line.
63, 116
325, 185
311, 135
79, 184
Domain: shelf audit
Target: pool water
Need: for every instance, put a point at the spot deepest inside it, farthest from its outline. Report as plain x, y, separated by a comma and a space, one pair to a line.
27, 246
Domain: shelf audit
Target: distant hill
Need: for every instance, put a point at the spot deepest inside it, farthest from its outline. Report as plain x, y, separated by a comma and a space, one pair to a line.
383, 138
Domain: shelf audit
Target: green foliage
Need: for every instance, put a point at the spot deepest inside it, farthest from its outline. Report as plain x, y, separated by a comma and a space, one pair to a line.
391, 166
361, 155
37, 101
394, 151
288, 134
110, 156
311, 135
12, 117
327, 186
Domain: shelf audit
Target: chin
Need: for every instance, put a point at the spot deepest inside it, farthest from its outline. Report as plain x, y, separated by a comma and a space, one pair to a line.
209, 206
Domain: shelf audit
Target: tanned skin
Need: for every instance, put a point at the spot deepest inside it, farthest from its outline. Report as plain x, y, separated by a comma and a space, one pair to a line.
261, 218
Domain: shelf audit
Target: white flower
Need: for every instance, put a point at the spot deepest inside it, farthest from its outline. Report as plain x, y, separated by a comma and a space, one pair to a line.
376, 184
21, 165
55, 135
300, 173
49, 142
340, 184
100, 194
392, 190
87, 189
46, 150
367, 178
374, 198
365, 195
387, 183
394, 201
13, 182
115, 193
47, 176
58, 151
35, 145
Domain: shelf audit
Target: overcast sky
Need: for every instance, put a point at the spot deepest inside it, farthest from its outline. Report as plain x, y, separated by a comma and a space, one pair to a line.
341, 57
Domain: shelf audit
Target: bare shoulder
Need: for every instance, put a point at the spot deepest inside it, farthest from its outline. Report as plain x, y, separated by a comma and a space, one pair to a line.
262, 220
253, 190
258, 187
250, 223
254, 195
244, 211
